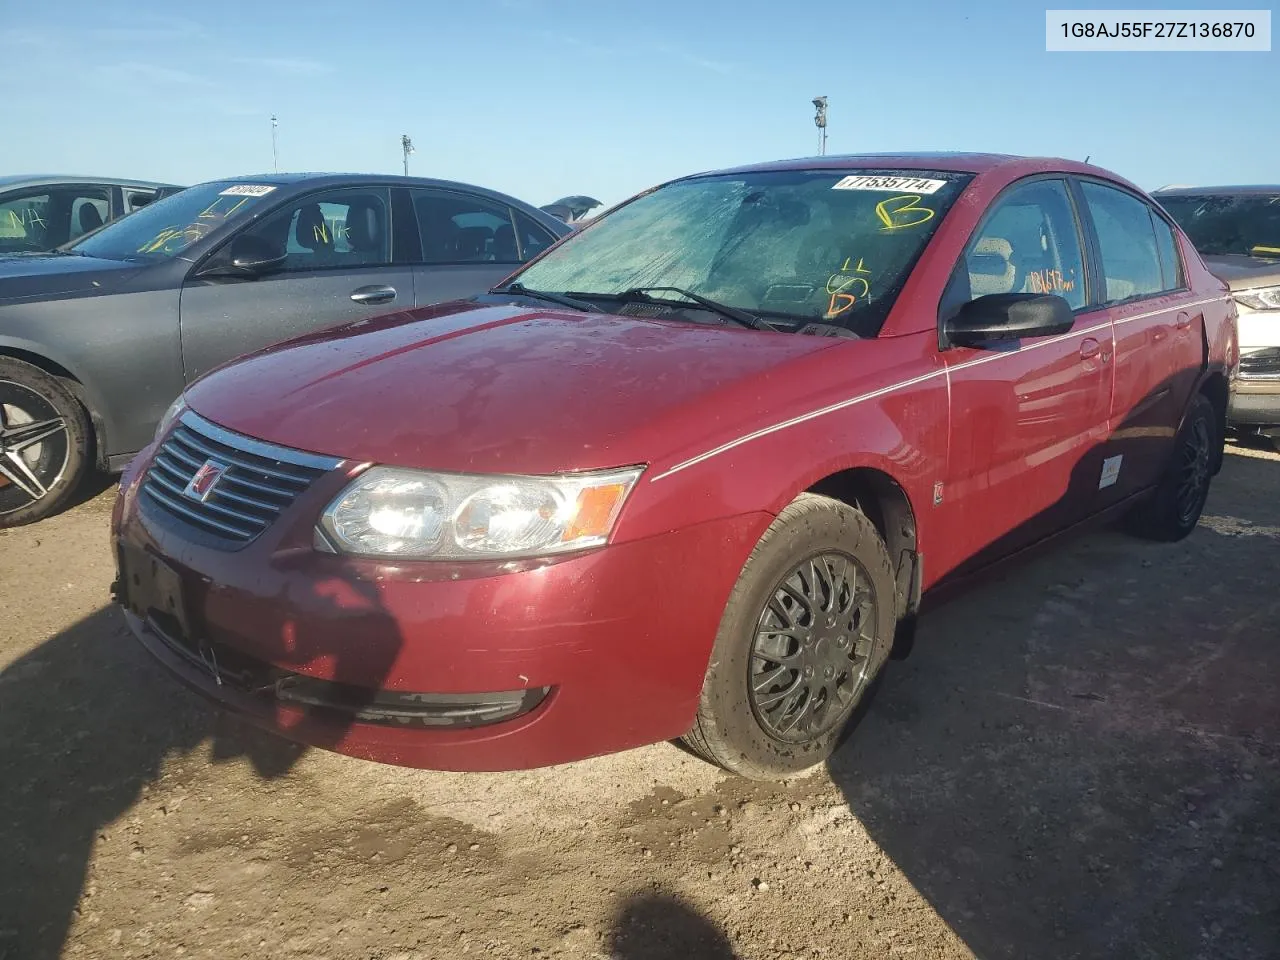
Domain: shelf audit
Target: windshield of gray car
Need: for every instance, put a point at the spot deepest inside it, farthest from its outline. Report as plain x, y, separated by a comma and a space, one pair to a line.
165, 228
1217, 225
830, 246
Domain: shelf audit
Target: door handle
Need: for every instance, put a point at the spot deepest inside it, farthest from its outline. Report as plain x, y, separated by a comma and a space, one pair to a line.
1089, 348
1183, 321
374, 294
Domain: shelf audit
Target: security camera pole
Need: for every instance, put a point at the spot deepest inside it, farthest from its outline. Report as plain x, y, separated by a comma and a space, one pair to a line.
275, 151
820, 121
407, 146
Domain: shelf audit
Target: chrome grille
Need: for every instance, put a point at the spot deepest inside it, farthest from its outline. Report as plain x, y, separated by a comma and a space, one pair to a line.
1261, 363
258, 482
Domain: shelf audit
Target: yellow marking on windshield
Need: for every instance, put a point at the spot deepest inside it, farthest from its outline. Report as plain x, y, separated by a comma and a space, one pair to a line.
896, 215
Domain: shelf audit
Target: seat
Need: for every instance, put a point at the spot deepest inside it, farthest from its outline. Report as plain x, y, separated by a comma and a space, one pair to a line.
90, 218
312, 232
365, 234
472, 243
991, 267
504, 245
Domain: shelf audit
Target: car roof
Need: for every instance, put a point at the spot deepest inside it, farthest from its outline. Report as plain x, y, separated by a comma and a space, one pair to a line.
1236, 190
54, 179
941, 161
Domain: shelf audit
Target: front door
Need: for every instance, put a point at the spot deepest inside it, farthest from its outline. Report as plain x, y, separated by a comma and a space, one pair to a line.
337, 268
1029, 419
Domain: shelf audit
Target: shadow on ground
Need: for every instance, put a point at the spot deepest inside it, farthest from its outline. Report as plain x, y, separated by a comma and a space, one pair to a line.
1085, 761
659, 926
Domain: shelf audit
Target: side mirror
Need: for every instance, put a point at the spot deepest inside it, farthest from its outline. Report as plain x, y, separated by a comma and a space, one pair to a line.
247, 255
1007, 316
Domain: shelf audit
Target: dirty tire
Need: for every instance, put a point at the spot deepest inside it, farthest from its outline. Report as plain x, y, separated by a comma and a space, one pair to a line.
1174, 510
735, 729
36, 406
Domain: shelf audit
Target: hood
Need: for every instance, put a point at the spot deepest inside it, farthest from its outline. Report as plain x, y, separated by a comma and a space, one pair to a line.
51, 275
466, 387
1240, 272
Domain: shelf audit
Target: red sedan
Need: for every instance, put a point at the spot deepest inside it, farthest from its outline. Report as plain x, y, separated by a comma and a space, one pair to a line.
688, 474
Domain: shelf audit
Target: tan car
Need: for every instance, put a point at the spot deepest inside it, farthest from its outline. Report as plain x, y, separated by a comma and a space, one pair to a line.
1237, 232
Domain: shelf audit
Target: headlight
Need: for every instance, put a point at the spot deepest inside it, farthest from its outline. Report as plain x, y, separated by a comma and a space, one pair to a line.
413, 514
172, 414
1262, 298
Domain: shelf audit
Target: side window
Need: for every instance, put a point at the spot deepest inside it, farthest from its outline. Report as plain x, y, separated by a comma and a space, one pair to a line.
89, 210
533, 238
1170, 261
1029, 243
457, 228
334, 230
135, 199
1127, 240
24, 223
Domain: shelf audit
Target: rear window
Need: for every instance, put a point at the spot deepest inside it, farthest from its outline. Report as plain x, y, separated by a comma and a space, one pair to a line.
1220, 225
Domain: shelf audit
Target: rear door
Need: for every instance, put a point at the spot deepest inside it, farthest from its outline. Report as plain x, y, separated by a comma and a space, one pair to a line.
1029, 418
1159, 332
338, 267
469, 243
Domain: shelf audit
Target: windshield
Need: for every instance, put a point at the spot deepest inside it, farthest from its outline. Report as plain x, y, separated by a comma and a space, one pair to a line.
1219, 225
810, 245
165, 228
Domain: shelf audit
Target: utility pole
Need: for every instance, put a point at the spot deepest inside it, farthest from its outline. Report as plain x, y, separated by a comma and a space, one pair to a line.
275, 149
820, 121
407, 146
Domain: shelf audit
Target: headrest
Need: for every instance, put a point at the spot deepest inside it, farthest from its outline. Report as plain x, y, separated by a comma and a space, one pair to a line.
312, 232
364, 225
90, 218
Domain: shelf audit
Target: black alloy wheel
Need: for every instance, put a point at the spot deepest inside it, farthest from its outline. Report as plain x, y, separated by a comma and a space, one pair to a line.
813, 646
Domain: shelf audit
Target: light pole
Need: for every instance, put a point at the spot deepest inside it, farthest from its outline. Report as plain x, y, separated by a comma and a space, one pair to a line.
820, 121
275, 150
407, 146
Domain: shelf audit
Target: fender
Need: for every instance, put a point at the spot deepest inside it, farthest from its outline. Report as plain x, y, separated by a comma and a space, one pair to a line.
58, 364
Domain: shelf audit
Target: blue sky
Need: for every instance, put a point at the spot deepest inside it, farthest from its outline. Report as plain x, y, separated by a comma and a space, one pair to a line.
542, 98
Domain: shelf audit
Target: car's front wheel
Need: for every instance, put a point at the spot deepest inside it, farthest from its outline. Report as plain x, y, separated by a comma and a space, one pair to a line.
1174, 509
44, 443
807, 630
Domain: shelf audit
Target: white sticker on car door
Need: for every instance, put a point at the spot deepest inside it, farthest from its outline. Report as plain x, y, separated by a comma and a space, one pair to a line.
1110, 472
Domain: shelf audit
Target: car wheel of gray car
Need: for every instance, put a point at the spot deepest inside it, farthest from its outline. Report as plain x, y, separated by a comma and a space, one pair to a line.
44, 443
1175, 508
807, 630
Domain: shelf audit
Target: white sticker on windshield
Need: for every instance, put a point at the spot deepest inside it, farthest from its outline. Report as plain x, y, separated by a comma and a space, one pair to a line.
247, 190
1110, 472
896, 184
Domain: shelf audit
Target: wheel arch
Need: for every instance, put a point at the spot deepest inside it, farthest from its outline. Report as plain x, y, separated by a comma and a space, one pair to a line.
1214, 388
888, 506
87, 397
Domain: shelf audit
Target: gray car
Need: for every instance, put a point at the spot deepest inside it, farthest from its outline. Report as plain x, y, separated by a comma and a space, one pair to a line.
39, 212
98, 338
1237, 231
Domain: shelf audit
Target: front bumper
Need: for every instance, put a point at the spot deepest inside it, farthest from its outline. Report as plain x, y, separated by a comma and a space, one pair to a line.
543, 662
1255, 400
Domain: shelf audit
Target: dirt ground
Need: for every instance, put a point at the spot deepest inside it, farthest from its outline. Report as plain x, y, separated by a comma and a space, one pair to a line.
1081, 759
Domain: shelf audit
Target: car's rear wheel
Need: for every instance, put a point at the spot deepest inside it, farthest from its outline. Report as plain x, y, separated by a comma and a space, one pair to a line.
1174, 509
44, 443
807, 630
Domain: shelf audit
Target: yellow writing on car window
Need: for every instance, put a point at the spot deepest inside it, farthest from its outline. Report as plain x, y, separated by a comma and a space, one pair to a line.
320, 232
1050, 281
215, 212
841, 287
897, 213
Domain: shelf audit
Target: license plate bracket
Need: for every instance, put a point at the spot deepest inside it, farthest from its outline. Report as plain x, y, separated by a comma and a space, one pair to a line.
150, 586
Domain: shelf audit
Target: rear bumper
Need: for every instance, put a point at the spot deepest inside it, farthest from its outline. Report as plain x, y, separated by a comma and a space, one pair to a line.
608, 648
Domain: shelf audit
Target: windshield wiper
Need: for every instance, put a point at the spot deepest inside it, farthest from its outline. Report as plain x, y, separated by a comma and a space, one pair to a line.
748, 320
522, 290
